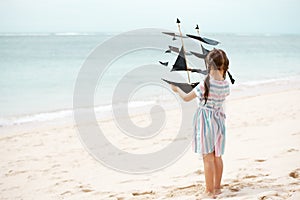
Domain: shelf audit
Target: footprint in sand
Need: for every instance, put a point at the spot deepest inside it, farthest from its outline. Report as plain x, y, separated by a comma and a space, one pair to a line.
234, 188
66, 192
87, 190
255, 176
13, 173
142, 193
292, 150
68, 180
260, 160
56, 165
199, 172
230, 195
186, 187
296, 133
249, 176
294, 174
269, 195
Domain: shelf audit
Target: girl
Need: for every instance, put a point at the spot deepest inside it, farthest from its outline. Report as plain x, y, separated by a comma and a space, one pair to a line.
209, 119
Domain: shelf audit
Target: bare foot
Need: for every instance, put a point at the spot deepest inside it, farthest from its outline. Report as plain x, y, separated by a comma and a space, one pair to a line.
218, 191
207, 195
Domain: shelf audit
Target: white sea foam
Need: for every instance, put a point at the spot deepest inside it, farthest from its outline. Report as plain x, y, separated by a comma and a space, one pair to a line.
270, 81
260, 82
38, 117
102, 112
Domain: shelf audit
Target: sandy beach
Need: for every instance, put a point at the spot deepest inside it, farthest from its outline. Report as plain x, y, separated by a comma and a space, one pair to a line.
46, 160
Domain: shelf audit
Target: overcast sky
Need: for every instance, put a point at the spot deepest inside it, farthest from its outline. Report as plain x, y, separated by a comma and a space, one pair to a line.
221, 16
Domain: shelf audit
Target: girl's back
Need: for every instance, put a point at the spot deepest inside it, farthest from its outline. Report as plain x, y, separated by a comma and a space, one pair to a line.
217, 93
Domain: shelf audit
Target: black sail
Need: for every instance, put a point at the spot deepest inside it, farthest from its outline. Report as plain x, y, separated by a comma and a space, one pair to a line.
186, 87
203, 39
180, 63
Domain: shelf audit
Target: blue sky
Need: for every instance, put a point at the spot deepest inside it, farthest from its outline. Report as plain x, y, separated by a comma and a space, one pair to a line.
220, 16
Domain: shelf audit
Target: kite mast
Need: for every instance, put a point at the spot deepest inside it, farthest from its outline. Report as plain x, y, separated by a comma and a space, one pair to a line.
198, 31
188, 73
197, 28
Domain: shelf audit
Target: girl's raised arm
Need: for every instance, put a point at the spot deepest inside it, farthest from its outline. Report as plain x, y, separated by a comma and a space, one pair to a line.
186, 97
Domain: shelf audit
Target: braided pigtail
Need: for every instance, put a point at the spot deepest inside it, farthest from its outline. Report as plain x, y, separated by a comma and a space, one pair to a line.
209, 63
206, 87
231, 78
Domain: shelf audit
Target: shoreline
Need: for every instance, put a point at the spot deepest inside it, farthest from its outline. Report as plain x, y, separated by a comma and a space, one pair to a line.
238, 91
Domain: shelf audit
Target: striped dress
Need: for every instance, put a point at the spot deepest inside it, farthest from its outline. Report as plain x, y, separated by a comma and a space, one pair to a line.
209, 119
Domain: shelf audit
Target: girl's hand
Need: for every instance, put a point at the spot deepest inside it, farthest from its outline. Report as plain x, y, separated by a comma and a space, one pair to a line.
174, 88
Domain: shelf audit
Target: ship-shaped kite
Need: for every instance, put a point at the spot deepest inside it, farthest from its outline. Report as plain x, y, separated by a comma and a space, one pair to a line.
181, 62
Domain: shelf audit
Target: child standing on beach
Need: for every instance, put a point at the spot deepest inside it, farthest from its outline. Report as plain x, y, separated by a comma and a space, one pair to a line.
209, 119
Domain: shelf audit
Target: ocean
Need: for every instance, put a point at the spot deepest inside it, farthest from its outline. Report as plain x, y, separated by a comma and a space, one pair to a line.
38, 71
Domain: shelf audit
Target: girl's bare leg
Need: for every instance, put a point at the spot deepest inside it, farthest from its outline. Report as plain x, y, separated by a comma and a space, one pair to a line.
218, 162
209, 170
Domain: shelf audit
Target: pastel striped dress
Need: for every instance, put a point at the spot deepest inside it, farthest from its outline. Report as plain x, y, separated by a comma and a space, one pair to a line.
209, 119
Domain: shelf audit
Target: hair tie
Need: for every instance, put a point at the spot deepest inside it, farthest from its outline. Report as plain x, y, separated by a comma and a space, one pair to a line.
230, 76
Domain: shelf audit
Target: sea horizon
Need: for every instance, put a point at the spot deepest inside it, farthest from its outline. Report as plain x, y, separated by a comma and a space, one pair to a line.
74, 33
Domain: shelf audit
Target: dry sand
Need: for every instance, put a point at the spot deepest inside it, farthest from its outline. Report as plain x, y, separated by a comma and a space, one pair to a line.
261, 161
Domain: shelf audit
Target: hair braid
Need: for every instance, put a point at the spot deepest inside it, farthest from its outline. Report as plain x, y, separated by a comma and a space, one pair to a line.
217, 60
206, 86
